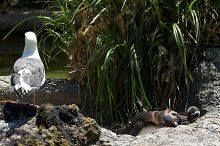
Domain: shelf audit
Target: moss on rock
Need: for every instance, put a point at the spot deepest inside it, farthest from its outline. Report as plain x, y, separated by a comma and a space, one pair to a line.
56, 126
89, 125
73, 107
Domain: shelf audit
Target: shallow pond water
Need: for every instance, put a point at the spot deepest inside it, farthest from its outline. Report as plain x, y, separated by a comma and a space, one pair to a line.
11, 49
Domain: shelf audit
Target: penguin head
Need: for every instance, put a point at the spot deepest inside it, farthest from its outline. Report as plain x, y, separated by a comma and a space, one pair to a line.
193, 114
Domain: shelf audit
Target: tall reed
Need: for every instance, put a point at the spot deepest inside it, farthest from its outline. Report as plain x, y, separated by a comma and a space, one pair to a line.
130, 55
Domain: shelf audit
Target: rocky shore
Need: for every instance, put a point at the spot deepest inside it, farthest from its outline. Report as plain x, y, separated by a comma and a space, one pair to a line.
65, 125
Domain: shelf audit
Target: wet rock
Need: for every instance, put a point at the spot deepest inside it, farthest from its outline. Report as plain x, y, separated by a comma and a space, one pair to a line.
50, 125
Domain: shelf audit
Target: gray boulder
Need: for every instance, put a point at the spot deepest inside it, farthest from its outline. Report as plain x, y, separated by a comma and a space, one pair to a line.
206, 85
54, 91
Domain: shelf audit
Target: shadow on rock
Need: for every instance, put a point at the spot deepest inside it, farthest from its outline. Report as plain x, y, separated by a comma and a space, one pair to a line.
17, 111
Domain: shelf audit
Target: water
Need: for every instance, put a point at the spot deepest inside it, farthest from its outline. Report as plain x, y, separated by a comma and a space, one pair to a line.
11, 49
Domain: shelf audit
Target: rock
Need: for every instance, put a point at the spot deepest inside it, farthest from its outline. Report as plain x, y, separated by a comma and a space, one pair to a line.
50, 125
205, 131
206, 84
5, 88
16, 16
54, 91
14, 111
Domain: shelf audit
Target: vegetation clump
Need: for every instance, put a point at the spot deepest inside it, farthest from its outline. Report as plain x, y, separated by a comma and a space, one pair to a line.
130, 55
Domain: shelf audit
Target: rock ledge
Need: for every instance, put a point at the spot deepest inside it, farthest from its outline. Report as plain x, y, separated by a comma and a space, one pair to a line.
46, 125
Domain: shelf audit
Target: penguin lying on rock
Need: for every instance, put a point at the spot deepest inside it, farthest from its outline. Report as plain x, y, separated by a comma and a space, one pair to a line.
158, 119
